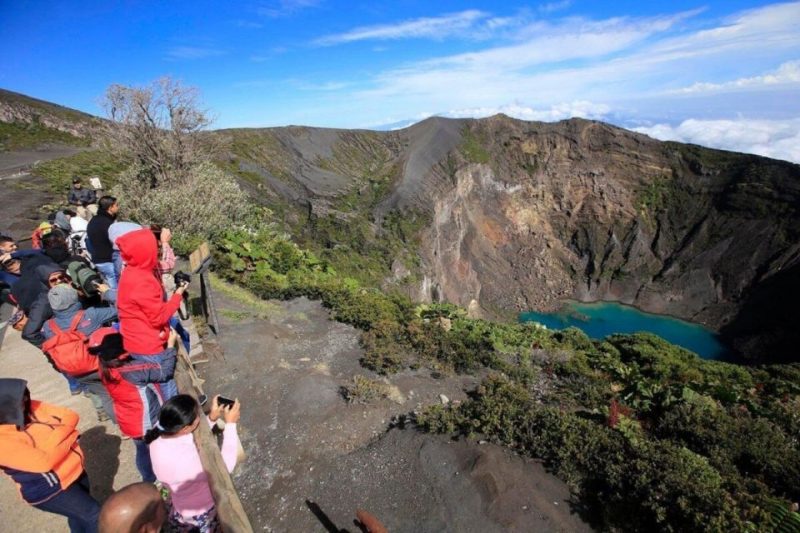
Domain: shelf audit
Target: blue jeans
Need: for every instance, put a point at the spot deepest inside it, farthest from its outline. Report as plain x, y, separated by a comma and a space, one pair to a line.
143, 463
116, 258
109, 274
81, 510
166, 361
175, 324
74, 386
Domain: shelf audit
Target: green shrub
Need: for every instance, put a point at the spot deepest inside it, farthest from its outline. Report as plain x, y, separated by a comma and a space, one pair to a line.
204, 201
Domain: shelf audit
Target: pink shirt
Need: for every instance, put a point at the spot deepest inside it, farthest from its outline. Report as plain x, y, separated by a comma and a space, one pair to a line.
167, 260
176, 463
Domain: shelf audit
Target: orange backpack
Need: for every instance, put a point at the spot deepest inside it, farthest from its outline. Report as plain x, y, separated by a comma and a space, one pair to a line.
69, 350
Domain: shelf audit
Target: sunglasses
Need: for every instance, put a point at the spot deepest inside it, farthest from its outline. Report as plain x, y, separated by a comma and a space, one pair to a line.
57, 279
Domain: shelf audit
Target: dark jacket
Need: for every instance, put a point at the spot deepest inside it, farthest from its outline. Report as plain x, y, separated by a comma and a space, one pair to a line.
29, 284
81, 196
97, 234
30, 293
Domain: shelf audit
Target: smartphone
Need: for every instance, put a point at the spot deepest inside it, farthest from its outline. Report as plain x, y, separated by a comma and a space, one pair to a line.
225, 402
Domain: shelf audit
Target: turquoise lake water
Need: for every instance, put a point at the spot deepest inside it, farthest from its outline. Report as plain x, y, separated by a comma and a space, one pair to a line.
601, 319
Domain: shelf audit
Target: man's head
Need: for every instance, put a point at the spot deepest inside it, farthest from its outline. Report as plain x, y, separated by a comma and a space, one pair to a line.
57, 277
108, 204
76, 182
12, 266
7, 244
137, 508
55, 239
62, 296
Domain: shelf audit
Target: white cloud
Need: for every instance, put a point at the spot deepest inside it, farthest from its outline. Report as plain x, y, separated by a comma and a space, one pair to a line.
427, 27
529, 71
552, 7
779, 139
561, 111
629, 63
788, 72
573, 66
283, 8
572, 39
193, 52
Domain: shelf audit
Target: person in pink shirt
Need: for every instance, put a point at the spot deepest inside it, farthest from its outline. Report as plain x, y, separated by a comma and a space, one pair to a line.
176, 461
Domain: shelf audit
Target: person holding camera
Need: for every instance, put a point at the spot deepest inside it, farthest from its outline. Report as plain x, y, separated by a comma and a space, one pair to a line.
144, 316
176, 461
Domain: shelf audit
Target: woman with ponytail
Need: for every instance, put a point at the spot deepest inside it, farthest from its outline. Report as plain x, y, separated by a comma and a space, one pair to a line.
176, 461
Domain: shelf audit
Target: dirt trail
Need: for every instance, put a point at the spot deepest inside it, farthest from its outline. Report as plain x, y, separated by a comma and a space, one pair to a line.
23, 194
313, 459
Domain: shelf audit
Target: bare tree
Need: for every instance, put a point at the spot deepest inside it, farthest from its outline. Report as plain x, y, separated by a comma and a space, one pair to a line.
160, 127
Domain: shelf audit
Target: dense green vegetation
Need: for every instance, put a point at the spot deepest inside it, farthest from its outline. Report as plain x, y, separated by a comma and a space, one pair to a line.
20, 135
473, 146
649, 435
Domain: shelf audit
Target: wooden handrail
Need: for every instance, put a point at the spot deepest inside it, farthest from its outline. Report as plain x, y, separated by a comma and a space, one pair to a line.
229, 508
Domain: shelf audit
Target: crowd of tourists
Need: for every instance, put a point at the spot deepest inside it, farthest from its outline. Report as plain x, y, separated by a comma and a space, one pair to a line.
97, 295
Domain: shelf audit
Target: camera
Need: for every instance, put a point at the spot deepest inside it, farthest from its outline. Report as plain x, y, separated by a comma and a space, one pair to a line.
182, 277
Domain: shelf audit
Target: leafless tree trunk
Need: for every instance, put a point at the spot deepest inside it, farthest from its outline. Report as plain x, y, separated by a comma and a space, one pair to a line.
159, 127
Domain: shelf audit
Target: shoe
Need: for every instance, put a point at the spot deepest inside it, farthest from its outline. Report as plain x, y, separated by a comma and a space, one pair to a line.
102, 416
75, 392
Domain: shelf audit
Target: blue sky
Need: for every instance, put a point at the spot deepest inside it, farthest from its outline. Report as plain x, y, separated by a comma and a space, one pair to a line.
718, 73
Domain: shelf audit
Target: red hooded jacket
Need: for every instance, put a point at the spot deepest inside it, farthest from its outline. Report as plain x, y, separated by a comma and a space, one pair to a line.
143, 313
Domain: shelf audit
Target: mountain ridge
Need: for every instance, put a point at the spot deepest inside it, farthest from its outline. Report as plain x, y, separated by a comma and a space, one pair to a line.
511, 215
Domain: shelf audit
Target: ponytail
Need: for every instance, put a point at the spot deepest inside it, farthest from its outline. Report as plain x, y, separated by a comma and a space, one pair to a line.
153, 433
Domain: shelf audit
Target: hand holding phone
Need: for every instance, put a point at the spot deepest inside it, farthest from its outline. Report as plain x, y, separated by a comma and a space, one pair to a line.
224, 401
231, 413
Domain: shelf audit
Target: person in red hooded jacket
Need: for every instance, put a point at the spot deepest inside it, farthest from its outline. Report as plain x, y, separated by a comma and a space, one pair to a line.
143, 313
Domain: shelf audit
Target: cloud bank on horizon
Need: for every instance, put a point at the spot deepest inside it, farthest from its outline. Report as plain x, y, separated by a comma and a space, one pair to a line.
721, 74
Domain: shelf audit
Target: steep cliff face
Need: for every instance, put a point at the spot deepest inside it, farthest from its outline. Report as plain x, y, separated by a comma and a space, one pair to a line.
585, 210
523, 215
17, 108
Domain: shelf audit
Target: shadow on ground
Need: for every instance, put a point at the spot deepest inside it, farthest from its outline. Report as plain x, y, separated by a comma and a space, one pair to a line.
101, 451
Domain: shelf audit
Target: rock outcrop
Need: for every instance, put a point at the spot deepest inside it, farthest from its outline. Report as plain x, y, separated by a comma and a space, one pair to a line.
21, 109
525, 214
585, 210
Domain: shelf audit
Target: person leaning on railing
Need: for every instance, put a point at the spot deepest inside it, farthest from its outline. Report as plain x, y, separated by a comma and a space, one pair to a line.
144, 316
176, 461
